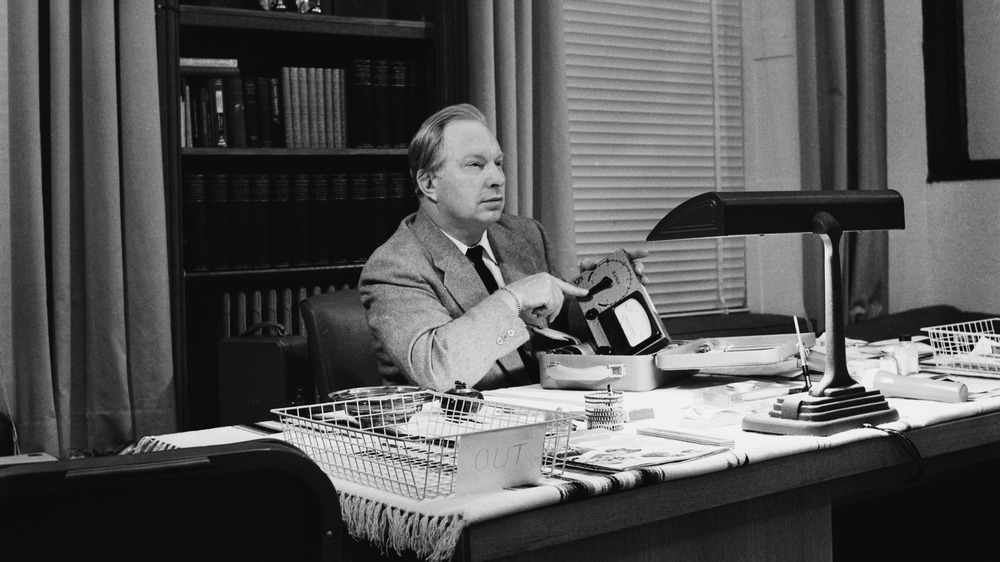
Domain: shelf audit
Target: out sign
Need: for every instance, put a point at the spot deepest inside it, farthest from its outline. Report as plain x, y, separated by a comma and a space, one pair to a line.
497, 459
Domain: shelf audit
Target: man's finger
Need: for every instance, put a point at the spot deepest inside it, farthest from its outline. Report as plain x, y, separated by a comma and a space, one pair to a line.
571, 289
637, 253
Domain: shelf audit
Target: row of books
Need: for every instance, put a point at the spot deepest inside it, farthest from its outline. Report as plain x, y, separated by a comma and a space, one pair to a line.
377, 105
256, 221
384, 9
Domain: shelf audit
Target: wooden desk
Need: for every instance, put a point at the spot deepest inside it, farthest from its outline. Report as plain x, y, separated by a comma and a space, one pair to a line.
852, 498
783, 509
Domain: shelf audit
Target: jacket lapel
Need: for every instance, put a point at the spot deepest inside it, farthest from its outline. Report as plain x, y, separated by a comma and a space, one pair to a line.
457, 273
511, 254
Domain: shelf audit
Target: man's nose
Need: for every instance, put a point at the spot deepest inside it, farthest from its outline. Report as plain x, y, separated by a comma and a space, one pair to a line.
497, 177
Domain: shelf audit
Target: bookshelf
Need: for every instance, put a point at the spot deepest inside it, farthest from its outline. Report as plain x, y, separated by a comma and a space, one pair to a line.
257, 224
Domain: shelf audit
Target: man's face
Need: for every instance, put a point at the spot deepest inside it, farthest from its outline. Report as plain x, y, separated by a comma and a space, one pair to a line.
467, 191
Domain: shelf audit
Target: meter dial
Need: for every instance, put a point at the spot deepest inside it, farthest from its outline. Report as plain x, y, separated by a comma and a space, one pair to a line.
610, 281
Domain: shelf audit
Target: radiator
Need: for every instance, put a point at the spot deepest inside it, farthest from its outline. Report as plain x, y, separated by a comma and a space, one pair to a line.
241, 309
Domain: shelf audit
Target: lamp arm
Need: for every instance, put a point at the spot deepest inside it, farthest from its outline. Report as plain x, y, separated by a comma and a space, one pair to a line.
835, 375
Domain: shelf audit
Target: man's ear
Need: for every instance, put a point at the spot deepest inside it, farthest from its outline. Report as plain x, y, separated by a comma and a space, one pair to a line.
425, 185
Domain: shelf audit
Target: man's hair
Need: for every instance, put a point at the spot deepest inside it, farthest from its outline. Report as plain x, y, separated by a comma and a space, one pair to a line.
425, 148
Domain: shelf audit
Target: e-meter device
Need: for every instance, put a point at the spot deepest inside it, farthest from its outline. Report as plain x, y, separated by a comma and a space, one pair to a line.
618, 310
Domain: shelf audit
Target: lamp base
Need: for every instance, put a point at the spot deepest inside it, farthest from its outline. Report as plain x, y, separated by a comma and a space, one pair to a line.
838, 410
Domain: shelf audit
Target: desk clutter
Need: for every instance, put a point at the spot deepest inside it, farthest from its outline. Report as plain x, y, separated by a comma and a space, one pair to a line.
423, 444
690, 425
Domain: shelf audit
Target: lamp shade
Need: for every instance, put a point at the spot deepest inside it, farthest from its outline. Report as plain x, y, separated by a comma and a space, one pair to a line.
717, 214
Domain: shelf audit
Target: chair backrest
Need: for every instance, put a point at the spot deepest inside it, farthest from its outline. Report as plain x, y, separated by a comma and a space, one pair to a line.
341, 349
256, 500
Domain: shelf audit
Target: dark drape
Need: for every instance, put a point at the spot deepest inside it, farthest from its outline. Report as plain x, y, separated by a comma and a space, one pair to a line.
85, 348
843, 131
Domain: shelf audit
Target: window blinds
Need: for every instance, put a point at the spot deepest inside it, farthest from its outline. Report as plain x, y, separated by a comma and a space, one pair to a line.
655, 103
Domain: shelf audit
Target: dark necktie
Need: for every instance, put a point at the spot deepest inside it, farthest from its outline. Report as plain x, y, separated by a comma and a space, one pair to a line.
475, 254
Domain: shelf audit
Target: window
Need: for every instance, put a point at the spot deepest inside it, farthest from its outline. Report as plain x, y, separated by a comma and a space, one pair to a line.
655, 103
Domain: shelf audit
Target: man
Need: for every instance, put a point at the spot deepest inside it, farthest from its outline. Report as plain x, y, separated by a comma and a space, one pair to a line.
435, 319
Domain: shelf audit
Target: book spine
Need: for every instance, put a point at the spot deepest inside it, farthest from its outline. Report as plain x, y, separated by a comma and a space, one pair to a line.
399, 200
378, 209
359, 114
287, 96
189, 112
260, 221
319, 224
339, 127
278, 113
416, 110
398, 121
203, 62
263, 86
182, 108
300, 107
327, 107
218, 222
359, 217
281, 216
251, 109
340, 232
239, 220
204, 110
380, 103
299, 197
195, 223
235, 113
217, 100
313, 113
208, 71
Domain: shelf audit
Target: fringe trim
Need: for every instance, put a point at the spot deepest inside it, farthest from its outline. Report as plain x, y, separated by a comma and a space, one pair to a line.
430, 537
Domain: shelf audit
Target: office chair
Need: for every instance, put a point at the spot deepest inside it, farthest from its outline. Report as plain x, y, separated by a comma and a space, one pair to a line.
341, 350
257, 500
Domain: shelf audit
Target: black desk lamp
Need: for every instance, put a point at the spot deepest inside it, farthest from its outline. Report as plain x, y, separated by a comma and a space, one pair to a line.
836, 403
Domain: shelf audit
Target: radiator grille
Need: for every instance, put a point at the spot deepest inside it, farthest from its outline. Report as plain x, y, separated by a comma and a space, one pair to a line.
241, 309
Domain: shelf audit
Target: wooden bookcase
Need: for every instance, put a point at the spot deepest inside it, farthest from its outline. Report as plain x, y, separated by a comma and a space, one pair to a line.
213, 300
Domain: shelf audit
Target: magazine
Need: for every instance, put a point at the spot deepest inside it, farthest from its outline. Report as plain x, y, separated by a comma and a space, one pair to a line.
615, 451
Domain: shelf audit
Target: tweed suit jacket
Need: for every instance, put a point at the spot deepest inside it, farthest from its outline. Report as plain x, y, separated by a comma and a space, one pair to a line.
433, 321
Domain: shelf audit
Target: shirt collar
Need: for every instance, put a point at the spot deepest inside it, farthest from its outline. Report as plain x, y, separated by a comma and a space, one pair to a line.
484, 242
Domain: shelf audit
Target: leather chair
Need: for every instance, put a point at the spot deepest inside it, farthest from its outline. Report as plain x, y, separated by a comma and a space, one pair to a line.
341, 350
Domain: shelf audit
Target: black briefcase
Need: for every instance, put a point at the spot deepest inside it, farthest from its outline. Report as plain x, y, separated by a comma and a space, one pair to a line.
256, 500
258, 372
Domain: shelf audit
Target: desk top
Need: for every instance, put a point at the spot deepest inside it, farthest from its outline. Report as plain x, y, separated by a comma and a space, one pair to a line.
432, 528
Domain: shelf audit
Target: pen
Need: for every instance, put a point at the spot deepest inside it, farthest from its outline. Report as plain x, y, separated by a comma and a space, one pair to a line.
802, 355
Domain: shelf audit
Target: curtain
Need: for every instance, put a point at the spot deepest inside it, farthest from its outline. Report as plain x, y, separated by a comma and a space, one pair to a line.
843, 139
517, 78
85, 350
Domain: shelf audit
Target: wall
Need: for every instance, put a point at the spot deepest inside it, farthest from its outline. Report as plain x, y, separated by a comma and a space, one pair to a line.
949, 252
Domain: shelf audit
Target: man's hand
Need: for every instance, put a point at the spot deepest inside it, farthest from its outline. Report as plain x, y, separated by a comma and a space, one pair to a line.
542, 295
636, 256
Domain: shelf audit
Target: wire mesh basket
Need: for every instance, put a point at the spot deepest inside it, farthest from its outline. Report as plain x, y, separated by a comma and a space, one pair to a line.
972, 348
408, 443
